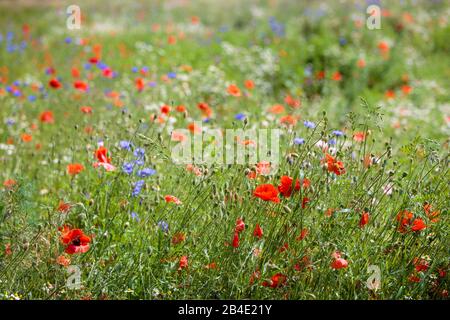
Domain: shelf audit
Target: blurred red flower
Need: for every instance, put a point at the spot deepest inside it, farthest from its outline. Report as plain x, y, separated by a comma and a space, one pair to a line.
74, 168
258, 232
276, 281
47, 117
267, 192
54, 83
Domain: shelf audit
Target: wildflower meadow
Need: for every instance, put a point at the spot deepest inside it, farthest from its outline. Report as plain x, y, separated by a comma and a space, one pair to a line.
181, 149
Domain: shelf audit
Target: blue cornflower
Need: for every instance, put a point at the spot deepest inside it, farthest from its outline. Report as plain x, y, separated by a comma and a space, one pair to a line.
144, 69
172, 75
127, 167
338, 133
164, 226
139, 153
139, 162
309, 124
138, 187
146, 172
68, 40
126, 145
298, 141
134, 69
135, 216
240, 116
31, 98
102, 65
332, 142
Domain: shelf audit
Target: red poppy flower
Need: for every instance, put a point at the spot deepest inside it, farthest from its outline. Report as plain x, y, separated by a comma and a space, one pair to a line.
432, 214
267, 192
75, 72
64, 207
205, 109
74, 240
236, 240
337, 76
361, 63
86, 109
305, 202
249, 84
421, 264
404, 218
390, 94
234, 90
384, 47
54, 83
165, 109
103, 160
414, 278
288, 120
359, 136
26, 137
80, 85
339, 263
406, 89
74, 168
418, 225
240, 225
171, 39
170, 198
364, 219
285, 187
302, 235
258, 232
46, 117
194, 128
306, 183
100, 154
63, 261
333, 165
181, 108
276, 109
276, 281
9, 183
294, 103
183, 263
140, 84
